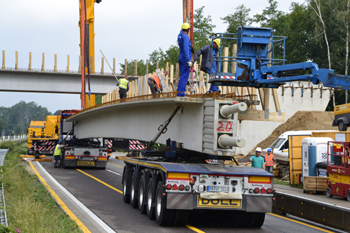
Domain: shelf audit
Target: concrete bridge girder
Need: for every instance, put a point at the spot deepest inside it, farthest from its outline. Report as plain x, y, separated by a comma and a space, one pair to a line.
55, 82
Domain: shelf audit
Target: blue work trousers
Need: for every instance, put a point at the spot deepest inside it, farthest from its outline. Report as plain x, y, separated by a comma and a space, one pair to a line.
185, 73
212, 87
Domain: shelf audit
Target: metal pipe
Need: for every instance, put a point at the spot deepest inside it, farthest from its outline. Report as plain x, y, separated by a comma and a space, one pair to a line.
227, 110
226, 141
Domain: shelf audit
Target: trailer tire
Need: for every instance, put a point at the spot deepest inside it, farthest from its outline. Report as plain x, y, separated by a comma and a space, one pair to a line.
245, 219
63, 163
348, 196
342, 126
329, 192
164, 217
257, 220
126, 196
133, 191
150, 198
142, 192
181, 217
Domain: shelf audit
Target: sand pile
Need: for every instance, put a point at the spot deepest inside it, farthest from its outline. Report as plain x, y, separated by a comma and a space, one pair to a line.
302, 120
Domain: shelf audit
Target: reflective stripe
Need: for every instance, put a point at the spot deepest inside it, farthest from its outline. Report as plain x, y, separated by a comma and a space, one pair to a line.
123, 83
269, 160
57, 151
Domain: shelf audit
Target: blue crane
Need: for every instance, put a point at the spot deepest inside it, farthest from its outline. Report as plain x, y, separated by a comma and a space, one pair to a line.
255, 68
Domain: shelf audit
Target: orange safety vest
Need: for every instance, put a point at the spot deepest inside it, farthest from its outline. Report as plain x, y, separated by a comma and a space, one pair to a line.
155, 77
269, 160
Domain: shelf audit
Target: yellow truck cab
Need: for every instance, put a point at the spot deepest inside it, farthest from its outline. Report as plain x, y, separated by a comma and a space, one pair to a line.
342, 116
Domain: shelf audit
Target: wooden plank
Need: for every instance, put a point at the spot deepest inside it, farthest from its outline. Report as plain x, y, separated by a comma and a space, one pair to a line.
314, 183
126, 67
43, 63
147, 64
135, 73
30, 61
16, 65
259, 115
261, 95
3, 59
67, 70
172, 77
55, 67
276, 100
102, 65
254, 96
267, 102
177, 75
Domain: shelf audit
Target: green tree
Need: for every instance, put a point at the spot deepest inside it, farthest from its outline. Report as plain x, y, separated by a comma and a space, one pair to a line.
238, 19
202, 29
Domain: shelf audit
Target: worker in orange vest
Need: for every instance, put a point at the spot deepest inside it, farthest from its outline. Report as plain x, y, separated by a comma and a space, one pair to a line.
154, 82
269, 161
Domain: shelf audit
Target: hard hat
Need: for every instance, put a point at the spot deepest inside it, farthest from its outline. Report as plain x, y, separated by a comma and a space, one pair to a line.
60, 142
269, 150
185, 26
217, 41
258, 149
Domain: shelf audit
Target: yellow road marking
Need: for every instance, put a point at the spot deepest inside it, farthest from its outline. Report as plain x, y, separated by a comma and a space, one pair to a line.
109, 186
60, 202
114, 165
194, 229
189, 226
305, 224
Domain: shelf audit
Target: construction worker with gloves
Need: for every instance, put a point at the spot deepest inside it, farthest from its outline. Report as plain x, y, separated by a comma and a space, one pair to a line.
185, 58
209, 63
57, 153
155, 83
257, 160
123, 87
269, 161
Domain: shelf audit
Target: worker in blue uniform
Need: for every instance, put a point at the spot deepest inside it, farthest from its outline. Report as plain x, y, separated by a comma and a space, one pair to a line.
209, 62
185, 59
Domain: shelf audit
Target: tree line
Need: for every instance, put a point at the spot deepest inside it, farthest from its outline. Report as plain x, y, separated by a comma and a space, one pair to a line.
16, 119
317, 31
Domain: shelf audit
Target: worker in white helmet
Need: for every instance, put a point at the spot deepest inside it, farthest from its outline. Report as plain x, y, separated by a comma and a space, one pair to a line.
257, 160
209, 62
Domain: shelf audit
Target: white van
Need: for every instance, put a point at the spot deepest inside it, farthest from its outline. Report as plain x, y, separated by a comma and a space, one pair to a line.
281, 144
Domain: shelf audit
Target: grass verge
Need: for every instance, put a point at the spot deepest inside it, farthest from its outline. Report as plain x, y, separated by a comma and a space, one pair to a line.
29, 206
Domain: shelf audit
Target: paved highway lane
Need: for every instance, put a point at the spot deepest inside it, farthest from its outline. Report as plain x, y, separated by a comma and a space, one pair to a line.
100, 191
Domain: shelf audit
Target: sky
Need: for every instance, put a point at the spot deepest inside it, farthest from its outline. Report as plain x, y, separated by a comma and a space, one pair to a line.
123, 30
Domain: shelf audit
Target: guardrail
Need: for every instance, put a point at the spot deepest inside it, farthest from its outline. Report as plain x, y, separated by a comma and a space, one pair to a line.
319, 212
3, 217
13, 137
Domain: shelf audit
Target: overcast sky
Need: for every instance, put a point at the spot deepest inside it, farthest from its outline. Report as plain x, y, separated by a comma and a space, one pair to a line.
123, 30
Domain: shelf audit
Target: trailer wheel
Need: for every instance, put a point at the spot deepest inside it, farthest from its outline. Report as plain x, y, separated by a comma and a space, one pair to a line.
257, 220
164, 217
133, 192
181, 217
126, 196
63, 163
342, 126
329, 193
149, 198
245, 219
142, 192
348, 196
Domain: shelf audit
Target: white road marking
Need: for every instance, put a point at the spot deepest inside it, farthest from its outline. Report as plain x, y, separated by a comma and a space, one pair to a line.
114, 172
81, 205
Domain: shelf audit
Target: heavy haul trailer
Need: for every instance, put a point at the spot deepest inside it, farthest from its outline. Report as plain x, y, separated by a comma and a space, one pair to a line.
43, 136
169, 183
80, 152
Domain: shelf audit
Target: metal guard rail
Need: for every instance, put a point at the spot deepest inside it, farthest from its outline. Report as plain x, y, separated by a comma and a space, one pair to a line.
319, 212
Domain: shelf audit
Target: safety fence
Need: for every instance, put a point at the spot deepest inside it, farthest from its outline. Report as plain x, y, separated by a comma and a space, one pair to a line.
13, 137
3, 218
319, 212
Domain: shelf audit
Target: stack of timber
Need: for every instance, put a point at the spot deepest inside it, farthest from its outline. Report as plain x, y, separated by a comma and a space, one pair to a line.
200, 84
315, 184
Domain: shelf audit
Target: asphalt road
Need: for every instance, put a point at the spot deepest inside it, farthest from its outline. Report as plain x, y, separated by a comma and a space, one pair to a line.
106, 201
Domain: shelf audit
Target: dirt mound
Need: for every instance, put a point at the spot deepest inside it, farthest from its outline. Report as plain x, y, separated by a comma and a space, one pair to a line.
302, 120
